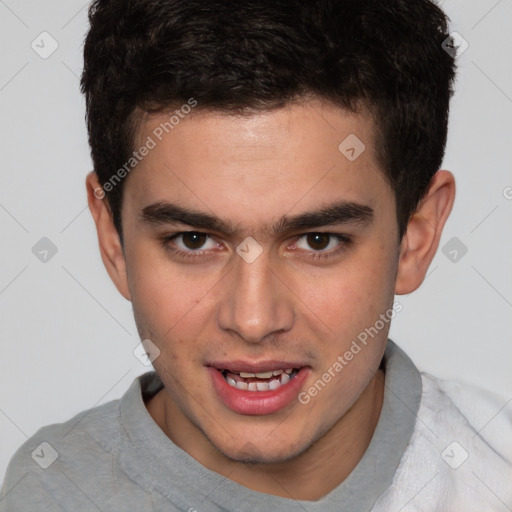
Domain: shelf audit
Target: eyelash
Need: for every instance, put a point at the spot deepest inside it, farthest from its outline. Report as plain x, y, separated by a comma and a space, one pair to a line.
166, 243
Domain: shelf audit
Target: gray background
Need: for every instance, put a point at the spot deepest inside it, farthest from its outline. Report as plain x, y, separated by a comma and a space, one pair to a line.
67, 336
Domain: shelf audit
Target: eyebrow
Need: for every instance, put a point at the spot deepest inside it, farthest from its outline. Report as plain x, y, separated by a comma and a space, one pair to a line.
344, 212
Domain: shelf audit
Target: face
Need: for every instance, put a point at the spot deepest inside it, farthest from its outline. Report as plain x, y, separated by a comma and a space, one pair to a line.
254, 245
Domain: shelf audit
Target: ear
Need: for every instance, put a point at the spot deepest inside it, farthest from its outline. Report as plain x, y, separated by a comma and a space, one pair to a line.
108, 238
421, 240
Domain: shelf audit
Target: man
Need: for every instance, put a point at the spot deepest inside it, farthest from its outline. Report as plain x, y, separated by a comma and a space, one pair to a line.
266, 181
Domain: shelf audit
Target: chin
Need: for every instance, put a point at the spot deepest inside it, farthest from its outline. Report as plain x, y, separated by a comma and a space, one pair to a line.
262, 452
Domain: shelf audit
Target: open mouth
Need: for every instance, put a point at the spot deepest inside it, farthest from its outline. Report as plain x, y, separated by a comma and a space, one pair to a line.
258, 388
261, 381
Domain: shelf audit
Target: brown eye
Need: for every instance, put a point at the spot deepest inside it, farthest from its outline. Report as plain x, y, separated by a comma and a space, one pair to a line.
191, 244
323, 244
194, 240
318, 241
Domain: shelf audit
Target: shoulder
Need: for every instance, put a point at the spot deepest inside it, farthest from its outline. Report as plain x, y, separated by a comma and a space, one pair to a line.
46, 462
90, 431
459, 457
485, 414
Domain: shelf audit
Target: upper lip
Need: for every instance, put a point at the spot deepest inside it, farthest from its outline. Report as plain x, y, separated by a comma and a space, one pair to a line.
255, 367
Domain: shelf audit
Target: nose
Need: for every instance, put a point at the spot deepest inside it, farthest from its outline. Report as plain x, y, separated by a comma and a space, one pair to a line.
255, 303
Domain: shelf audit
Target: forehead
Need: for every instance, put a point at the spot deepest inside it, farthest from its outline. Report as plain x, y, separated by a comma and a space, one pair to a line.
251, 167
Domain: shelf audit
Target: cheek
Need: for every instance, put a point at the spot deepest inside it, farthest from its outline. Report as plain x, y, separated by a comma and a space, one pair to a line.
349, 297
169, 301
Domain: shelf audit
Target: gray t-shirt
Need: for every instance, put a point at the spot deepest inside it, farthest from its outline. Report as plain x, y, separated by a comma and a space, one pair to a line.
116, 458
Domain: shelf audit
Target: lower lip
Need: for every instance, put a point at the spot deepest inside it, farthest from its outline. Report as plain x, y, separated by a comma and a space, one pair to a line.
258, 402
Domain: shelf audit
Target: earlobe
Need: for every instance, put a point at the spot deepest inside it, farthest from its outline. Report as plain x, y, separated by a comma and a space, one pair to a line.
421, 240
108, 238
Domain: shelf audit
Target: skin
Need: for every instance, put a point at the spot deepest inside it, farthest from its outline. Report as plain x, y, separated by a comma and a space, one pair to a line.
292, 303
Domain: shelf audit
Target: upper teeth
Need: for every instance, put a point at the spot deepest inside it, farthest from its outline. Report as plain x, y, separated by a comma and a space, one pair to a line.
261, 385
264, 375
